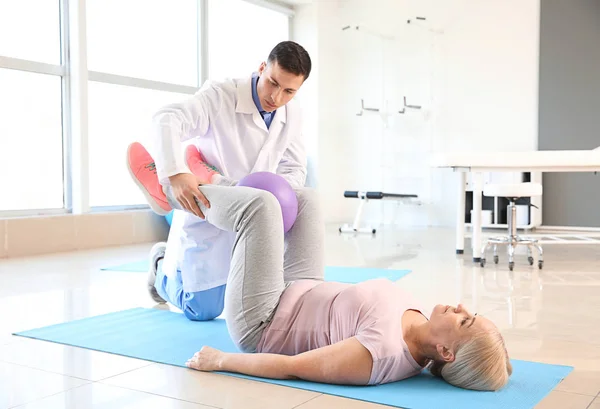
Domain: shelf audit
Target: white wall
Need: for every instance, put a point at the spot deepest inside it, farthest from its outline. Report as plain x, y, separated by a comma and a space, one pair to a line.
472, 65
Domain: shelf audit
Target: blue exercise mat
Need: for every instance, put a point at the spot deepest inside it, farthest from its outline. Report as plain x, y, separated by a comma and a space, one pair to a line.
169, 338
140, 266
340, 274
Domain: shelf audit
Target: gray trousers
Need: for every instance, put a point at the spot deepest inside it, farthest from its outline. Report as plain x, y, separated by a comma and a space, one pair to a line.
264, 260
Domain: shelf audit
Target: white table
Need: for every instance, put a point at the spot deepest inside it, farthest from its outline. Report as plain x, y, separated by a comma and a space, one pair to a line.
478, 163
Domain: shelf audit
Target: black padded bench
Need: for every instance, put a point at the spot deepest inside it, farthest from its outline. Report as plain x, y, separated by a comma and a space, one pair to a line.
364, 198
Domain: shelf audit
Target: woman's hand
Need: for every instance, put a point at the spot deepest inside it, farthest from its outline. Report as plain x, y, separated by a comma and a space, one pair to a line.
207, 359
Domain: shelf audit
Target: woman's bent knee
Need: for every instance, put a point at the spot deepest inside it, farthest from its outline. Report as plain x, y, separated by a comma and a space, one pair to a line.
266, 200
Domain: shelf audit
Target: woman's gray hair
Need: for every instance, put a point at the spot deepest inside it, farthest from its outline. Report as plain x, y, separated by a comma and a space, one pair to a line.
481, 363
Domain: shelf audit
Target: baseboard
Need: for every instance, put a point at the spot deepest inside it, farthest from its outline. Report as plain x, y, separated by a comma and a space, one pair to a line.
27, 236
567, 228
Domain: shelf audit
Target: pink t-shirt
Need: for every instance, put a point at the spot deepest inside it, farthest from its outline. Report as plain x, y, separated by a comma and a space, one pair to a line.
313, 314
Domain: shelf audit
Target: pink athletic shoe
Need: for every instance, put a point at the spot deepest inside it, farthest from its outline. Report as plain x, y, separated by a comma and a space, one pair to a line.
196, 162
143, 171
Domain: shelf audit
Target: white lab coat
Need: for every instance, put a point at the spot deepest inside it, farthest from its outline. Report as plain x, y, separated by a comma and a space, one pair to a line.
225, 125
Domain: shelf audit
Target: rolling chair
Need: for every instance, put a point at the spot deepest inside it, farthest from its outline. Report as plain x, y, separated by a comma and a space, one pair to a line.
513, 192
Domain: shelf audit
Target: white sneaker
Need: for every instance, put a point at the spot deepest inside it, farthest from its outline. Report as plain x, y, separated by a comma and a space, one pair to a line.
156, 254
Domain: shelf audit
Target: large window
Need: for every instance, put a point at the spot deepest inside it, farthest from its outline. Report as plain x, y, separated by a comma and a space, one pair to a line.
30, 30
240, 36
158, 49
31, 148
31, 134
137, 56
151, 39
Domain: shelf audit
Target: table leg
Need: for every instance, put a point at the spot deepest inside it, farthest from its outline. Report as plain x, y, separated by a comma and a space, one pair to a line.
476, 215
460, 213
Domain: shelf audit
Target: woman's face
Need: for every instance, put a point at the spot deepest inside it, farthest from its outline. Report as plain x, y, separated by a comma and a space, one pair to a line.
451, 326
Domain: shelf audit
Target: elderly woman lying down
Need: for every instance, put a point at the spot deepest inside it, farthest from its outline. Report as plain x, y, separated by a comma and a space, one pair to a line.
291, 324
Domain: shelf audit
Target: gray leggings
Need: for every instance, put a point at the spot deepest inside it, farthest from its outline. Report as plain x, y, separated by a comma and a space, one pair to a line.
264, 260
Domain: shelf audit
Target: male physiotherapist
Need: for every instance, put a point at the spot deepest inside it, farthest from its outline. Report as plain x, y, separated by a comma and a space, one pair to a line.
239, 126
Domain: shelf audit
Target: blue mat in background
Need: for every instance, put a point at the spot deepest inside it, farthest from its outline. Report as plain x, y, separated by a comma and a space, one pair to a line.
140, 266
340, 274
169, 338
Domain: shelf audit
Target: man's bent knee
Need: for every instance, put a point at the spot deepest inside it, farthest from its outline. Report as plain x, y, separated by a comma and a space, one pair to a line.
204, 305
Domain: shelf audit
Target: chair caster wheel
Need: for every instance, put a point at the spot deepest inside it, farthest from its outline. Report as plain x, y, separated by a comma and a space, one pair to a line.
482, 262
511, 265
496, 259
530, 259
540, 264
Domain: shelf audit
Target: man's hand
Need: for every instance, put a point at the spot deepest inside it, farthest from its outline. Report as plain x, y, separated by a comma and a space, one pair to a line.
185, 190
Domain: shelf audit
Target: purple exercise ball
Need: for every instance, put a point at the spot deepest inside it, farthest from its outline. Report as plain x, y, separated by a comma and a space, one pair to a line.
282, 191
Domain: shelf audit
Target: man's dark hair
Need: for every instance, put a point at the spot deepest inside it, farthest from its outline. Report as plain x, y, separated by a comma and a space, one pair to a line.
292, 57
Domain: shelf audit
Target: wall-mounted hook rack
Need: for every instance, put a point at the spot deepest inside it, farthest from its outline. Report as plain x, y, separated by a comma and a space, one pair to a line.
363, 108
411, 106
369, 30
402, 111
416, 18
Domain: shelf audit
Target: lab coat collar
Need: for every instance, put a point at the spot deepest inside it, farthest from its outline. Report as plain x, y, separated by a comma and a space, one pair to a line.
245, 103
